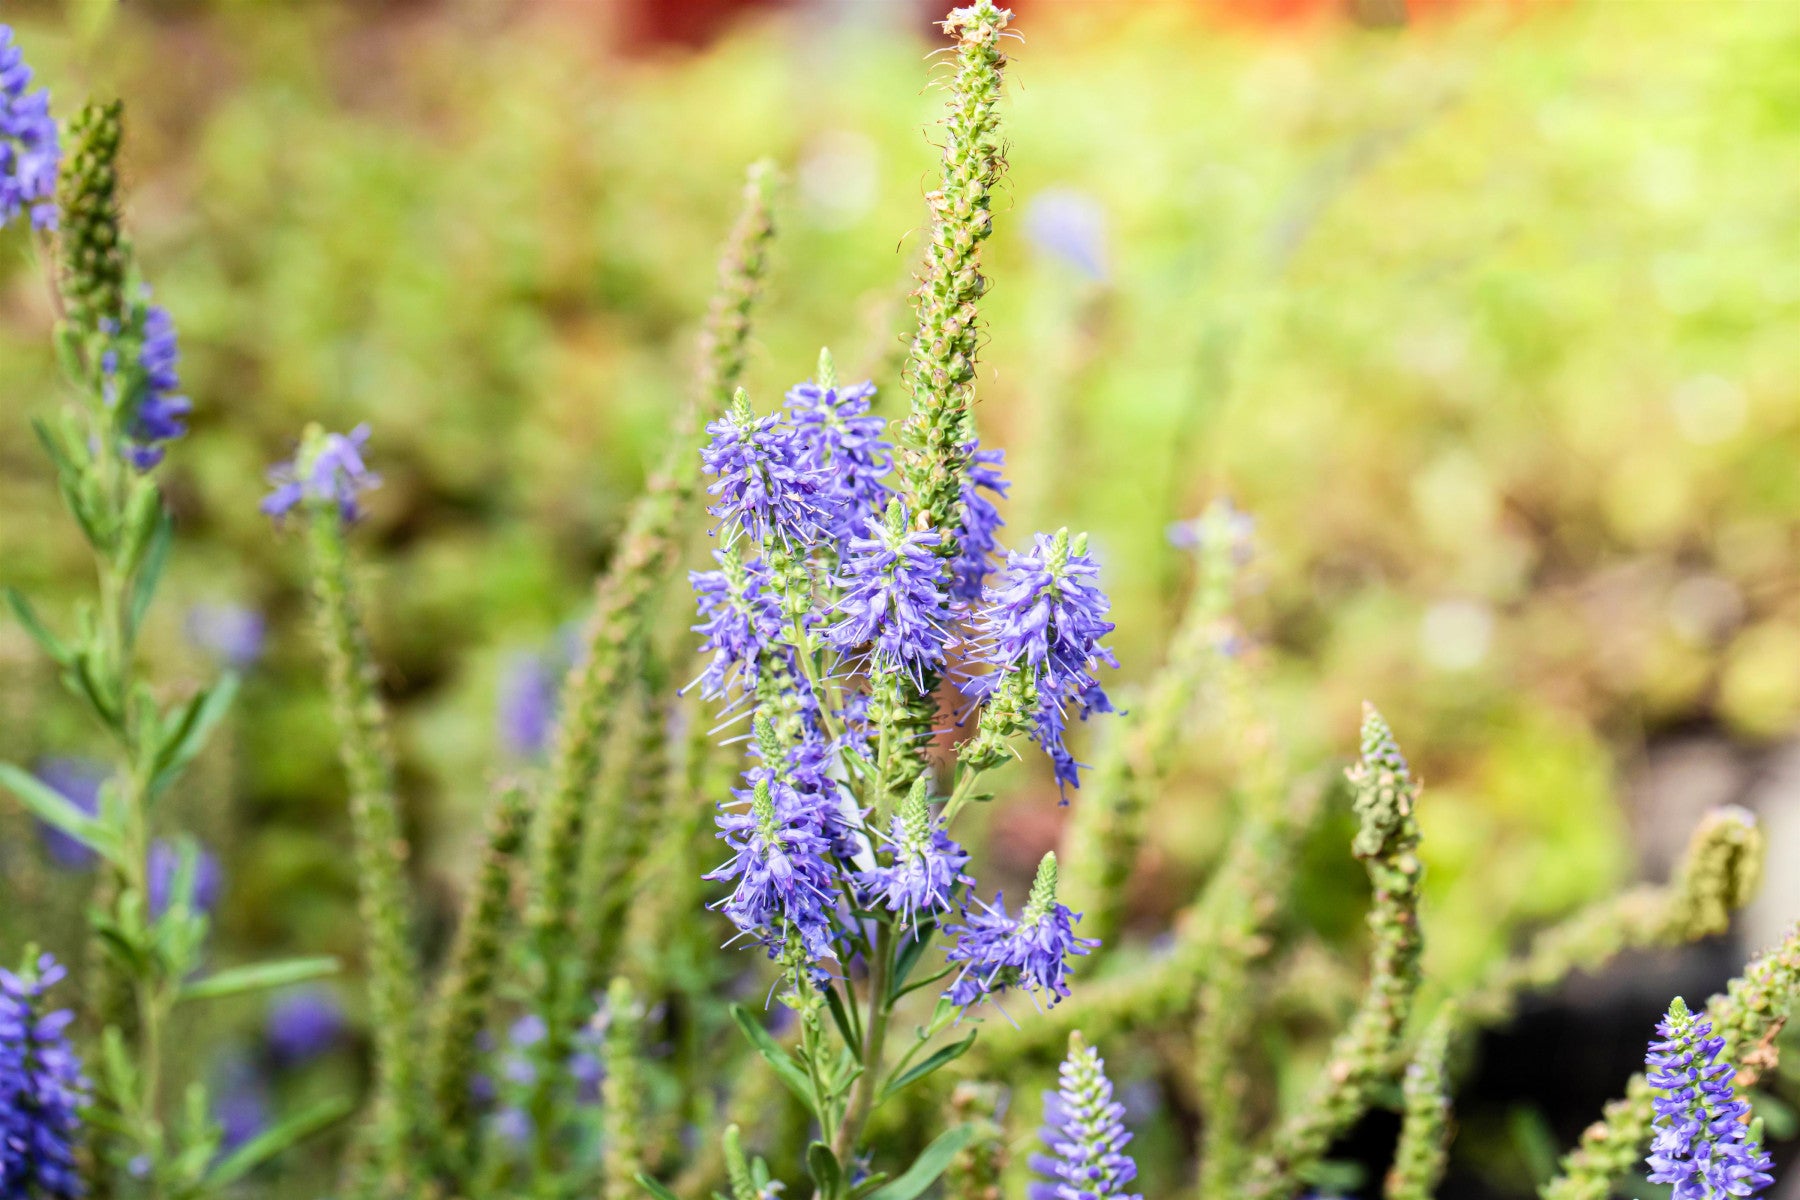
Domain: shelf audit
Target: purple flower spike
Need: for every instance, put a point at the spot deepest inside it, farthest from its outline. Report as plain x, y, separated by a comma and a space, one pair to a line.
892, 599
841, 443
527, 704
328, 470
1702, 1143
303, 1025
765, 486
979, 538
154, 413
927, 865
784, 880
1032, 952
1084, 1135
1046, 616
42, 1091
740, 618
28, 144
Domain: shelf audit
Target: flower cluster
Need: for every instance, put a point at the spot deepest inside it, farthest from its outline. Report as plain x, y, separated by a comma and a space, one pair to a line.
1084, 1134
140, 385
1032, 952
835, 607
28, 142
41, 1089
1703, 1144
328, 469
1043, 621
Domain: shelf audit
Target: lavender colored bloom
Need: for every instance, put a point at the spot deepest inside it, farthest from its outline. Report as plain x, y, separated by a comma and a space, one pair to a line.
1032, 952
841, 443
42, 1090
927, 864
512, 1125
328, 469
1084, 1135
230, 633
527, 704
303, 1025
153, 412
1702, 1143
77, 780
1070, 226
892, 601
765, 484
979, 537
784, 881
28, 144
240, 1103
165, 865
1234, 528
1046, 616
740, 618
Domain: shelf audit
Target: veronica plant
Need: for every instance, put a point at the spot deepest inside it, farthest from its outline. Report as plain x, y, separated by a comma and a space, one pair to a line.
119, 357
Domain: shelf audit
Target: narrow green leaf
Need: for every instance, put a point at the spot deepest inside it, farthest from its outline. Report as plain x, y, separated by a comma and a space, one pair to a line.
822, 1165
786, 1069
55, 810
870, 1184
40, 633
235, 981
846, 1027
943, 1055
155, 557
931, 1163
279, 1137
189, 735
654, 1188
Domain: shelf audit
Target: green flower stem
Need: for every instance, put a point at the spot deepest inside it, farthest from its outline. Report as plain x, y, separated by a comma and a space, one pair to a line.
381, 849
622, 598
1425, 1129
1749, 1014
622, 1098
465, 998
1386, 842
862, 1092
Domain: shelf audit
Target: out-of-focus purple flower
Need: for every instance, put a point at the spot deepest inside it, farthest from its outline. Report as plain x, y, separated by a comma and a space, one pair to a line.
1702, 1144
841, 444
28, 142
146, 391
303, 1025
231, 633
512, 1125
42, 1091
528, 703
892, 601
927, 865
1069, 226
784, 879
1032, 952
1221, 523
979, 536
764, 484
740, 618
77, 780
165, 866
1084, 1135
327, 469
240, 1103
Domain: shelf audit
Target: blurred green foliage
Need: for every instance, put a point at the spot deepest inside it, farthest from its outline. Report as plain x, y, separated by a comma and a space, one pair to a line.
1486, 321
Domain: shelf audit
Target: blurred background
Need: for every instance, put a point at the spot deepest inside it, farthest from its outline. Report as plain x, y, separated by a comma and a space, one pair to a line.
1484, 313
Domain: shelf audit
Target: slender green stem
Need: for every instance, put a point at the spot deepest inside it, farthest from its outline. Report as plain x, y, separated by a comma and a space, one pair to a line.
862, 1092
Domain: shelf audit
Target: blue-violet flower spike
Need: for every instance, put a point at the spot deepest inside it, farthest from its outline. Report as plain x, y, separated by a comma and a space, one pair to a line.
42, 1090
28, 141
927, 866
1702, 1142
892, 599
328, 469
1084, 1135
764, 486
1032, 952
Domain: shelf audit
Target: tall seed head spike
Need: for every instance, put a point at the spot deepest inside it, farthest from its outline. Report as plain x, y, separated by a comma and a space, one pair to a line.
90, 237
1385, 791
1719, 873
